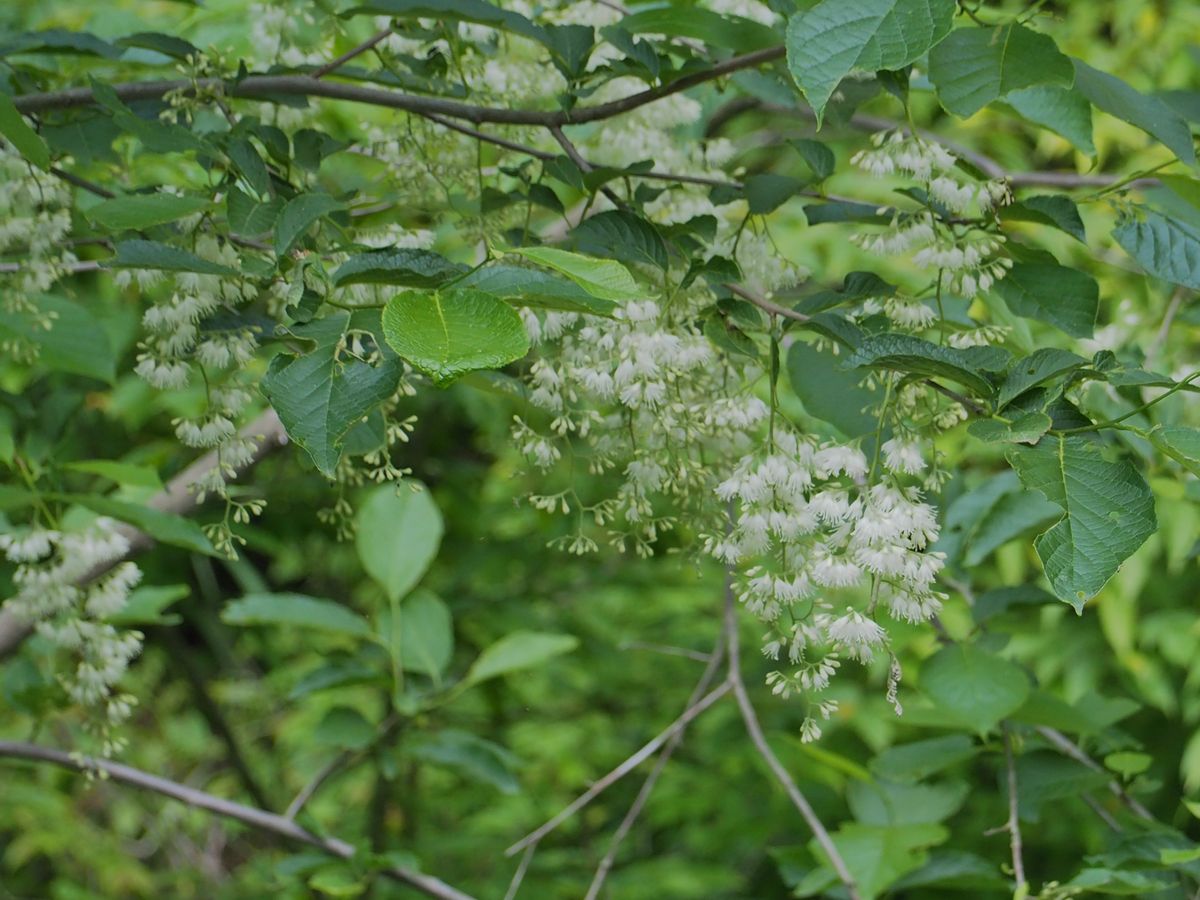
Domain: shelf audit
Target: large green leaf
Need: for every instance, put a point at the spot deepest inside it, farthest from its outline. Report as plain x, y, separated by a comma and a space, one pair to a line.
974, 687
519, 650
418, 634
398, 535
248, 215
138, 211
899, 803
920, 759
1037, 368
829, 392
1065, 298
476, 11
471, 755
16, 131
295, 611
603, 278
76, 341
403, 266
1048, 209
1166, 247
975, 66
914, 356
1149, 113
731, 32
138, 254
319, 395
1065, 111
537, 289
298, 216
622, 236
837, 37
448, 334
1010, 517
1108, 512
875, 855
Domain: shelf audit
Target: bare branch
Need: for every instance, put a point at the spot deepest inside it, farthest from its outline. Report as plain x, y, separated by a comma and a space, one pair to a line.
1013, 825
249, 815
351, 54
754, 730
1069, 748
519, 875
623, 769
268, 434
715, 658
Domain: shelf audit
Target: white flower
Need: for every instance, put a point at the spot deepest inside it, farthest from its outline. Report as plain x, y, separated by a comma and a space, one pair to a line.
857, 635
903, 456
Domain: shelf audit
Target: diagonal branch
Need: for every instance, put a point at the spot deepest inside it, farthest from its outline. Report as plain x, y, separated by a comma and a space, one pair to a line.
177, 497
351, 54
754, 730
1013, 825
624, 768
1068, 748
249, 815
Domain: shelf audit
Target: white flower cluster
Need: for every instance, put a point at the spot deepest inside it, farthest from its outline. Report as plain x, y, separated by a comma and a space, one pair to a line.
963, 256
52, 568
643, 393
813, 531
35, 220
182, 337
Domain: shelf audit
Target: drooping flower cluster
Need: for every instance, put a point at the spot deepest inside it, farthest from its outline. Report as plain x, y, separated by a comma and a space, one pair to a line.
54, 596
942, 237
814, 532
35, 220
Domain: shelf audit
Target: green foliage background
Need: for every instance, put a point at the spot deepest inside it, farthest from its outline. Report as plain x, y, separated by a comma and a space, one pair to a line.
1121, 678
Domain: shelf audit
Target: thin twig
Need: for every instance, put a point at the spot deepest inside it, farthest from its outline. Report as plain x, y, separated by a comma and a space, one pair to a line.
1103, 813
1069, 748
754, 730
249, 815
519, 875
323, 774
266, 433
1013, 825
90, 186
623, 769
715, 658
351, 54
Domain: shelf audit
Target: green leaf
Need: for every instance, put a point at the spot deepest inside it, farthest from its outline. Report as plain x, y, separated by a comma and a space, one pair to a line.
954, 870
121, 473
1010, 517
166, 528
76, 342
1128, 764
911, 355
1108, 512
1000, 600
767, 192
623, 236
519, 650
320, 396
138, 254
875, 855
448, 334
819, 157
399, 530
471, 755
167, 45
426, 634
346, 728
1166, 247
1065, 111
603, 278
146, 604
1043, 776
137, 211
403, 266
974, 66
295, 611
920, 759
1180, 442
476, 11
731, 32
897, 803
250, 216
1147, 112
829, 392
244, 156
1047, 209
1037, 368
298, 216
974, 687
1065, 298
1025, 429
17, 132
536, 289
837, 37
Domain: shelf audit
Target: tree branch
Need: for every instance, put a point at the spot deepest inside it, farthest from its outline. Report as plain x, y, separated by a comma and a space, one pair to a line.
623, 769
754, 730
1069, 748
256, 818
176, 498
351, 54
1013, 825
715, 658
264, 87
